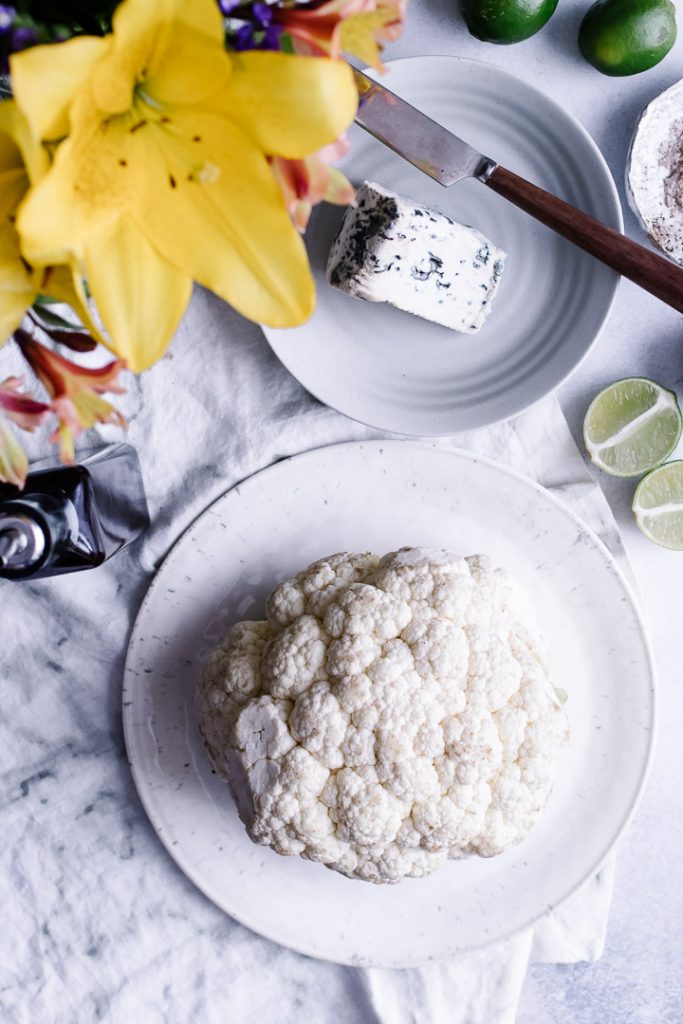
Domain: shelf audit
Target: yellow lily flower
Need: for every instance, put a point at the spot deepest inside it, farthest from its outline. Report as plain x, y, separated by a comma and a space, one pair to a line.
164, 177
18, 286
22, 162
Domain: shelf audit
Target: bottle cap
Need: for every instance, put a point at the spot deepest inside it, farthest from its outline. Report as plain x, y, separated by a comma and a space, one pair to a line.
22, 542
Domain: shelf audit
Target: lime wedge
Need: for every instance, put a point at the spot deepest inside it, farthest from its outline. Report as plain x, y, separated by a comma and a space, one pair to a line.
658, 505
632, 426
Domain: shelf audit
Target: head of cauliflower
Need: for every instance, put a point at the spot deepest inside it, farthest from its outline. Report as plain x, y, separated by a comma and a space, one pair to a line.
387, 715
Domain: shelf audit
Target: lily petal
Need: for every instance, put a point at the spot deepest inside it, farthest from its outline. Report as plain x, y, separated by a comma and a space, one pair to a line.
191, 70
13, 461
335, 150
92, 181
65, 284
340, 191
10, 154
16, 295
134, 19
316, 30
45, 80
17, 280
293, 179
392, 29
140, 296
267, 87
213, 209
304, 183
28, 153
359, 34
344, 26
82, 412
21, 409
59, 376
17, 287
75, 391
172, 48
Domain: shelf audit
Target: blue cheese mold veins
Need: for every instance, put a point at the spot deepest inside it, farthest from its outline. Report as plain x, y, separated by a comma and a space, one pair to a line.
391, 249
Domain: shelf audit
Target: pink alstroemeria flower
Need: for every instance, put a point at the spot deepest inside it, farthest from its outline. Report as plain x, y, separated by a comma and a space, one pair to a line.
335, 27
27, 414
307, 182
75, 391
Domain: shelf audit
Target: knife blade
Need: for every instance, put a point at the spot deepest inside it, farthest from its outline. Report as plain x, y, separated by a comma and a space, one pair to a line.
417, 138
448, 159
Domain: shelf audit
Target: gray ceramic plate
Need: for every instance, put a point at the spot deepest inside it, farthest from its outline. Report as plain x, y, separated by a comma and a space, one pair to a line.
396, 372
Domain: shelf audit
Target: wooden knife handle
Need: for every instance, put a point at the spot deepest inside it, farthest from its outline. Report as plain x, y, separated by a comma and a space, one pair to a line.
654, 273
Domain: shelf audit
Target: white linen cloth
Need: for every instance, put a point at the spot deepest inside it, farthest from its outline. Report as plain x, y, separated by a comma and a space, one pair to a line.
99, 924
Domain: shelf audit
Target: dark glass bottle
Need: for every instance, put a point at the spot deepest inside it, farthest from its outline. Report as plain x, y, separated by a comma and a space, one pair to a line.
69, 518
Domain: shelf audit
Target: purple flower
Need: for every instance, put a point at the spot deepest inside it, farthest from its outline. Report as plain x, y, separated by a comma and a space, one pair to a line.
258, 37
7, 16
272, 39
263, 13
227, 6
244, 38
23, 36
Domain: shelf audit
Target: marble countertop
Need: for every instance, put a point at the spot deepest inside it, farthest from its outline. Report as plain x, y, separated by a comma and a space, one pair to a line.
86, 906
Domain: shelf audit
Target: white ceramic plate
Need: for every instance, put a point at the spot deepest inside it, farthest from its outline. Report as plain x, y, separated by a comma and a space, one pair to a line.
379, 496
397, 372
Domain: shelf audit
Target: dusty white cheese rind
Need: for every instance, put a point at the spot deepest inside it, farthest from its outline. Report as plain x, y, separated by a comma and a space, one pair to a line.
391, 249
654, 173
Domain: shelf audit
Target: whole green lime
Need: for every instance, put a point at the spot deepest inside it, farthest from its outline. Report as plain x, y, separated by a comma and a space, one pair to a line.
625, 37
506, 21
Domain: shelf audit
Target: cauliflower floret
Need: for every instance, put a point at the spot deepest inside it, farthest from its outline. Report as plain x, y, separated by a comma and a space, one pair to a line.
261, 730
318, 723
362, 610
434, 583
388, 715
452, 821
313, 589
295, 658
239, 660
439, 647
365, 811
231, 676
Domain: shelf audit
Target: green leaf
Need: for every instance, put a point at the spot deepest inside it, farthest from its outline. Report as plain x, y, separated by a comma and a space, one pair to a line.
286, 44
53, 319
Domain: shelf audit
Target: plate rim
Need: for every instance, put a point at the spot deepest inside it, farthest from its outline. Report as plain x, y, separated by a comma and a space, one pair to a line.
145, 792
271, 333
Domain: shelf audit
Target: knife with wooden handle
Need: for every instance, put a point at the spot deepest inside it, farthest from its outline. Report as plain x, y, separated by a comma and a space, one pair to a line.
447, 159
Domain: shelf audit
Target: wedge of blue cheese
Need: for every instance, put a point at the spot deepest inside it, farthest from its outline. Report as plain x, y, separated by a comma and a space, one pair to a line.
391, 249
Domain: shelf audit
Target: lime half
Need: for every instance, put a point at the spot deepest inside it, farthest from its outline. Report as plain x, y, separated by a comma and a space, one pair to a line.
632, 426
658, 505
